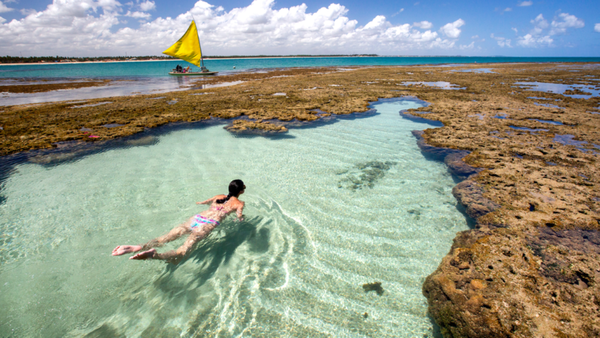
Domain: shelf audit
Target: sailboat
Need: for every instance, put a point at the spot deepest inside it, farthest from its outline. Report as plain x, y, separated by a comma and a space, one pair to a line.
187, 48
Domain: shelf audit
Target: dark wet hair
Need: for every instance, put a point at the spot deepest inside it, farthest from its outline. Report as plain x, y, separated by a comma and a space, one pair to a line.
235, 187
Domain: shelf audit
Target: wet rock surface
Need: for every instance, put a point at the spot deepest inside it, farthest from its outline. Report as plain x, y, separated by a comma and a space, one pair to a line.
470, 194
530, 266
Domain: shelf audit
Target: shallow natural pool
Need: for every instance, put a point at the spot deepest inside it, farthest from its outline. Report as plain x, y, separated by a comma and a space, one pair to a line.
327, 210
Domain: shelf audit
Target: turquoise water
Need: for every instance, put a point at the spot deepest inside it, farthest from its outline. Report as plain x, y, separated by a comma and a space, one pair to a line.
327, 210
161, 68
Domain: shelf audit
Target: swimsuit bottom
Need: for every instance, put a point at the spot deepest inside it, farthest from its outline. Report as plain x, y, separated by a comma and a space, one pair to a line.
201, 220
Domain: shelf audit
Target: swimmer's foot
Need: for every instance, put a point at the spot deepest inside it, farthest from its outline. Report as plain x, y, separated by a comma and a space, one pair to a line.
144, 255
123, 249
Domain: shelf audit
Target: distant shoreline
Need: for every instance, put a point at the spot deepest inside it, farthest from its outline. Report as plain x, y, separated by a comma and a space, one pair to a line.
207, 58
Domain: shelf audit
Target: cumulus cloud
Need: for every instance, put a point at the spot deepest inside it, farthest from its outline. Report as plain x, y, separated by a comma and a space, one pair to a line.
4, 9
147, 6
502, 42
138, 15
539, 24
27, 11
80, 27
452, 30
564, 21
525, 3
532, 41
540, 36
423, 24
469, 46
597, 27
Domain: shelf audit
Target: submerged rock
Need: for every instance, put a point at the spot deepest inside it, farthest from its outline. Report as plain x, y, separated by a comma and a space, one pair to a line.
364, 174
375, 286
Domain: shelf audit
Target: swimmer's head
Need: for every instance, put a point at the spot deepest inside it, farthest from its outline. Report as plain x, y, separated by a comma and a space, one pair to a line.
236, 187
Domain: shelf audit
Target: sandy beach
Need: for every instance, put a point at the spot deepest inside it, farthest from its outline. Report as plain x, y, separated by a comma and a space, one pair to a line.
530, 265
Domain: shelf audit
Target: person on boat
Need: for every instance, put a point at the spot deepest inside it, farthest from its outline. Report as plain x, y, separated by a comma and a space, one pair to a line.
187, 69
178, 69
198, 227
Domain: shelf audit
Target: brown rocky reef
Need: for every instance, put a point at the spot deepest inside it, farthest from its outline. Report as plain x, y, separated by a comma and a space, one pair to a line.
530, 267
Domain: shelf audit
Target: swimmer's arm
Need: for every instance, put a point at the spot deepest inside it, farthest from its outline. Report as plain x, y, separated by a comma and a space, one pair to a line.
239, 211
208, 200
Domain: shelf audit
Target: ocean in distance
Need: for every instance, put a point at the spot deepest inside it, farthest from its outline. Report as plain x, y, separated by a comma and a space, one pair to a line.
225, 66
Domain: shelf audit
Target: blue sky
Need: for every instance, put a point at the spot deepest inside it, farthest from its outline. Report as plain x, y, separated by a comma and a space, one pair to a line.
236, 27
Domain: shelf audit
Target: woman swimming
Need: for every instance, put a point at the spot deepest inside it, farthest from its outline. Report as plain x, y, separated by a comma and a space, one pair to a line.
198, 227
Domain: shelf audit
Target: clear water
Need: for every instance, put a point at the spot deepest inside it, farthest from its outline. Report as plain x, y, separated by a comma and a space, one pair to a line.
119, 87
528, 129
476, 70
437, 84
557, 123
314, 233
548, 105
559, 88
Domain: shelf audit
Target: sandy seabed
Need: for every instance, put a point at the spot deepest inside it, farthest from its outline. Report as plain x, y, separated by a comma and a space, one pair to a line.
529, 267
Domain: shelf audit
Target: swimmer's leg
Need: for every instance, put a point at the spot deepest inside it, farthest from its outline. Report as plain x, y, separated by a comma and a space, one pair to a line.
176, 256
171, 236
123, 249
173, 256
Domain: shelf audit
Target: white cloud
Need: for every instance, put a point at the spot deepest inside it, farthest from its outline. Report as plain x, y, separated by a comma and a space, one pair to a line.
533, 41
90, 27
507, 9
539, 36
475, 37
423, 24
147, 6
2, 20
451, 29
398, 12
560, 25
27, 11
597, 27
502, 42
138, 15
515, 30
469, 46
4, 9
525, 3
539, 24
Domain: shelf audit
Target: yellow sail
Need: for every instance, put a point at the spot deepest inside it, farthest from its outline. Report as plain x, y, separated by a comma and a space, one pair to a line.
187, 47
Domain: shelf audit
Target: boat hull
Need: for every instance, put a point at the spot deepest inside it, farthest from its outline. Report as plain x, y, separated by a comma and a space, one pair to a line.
192, 73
